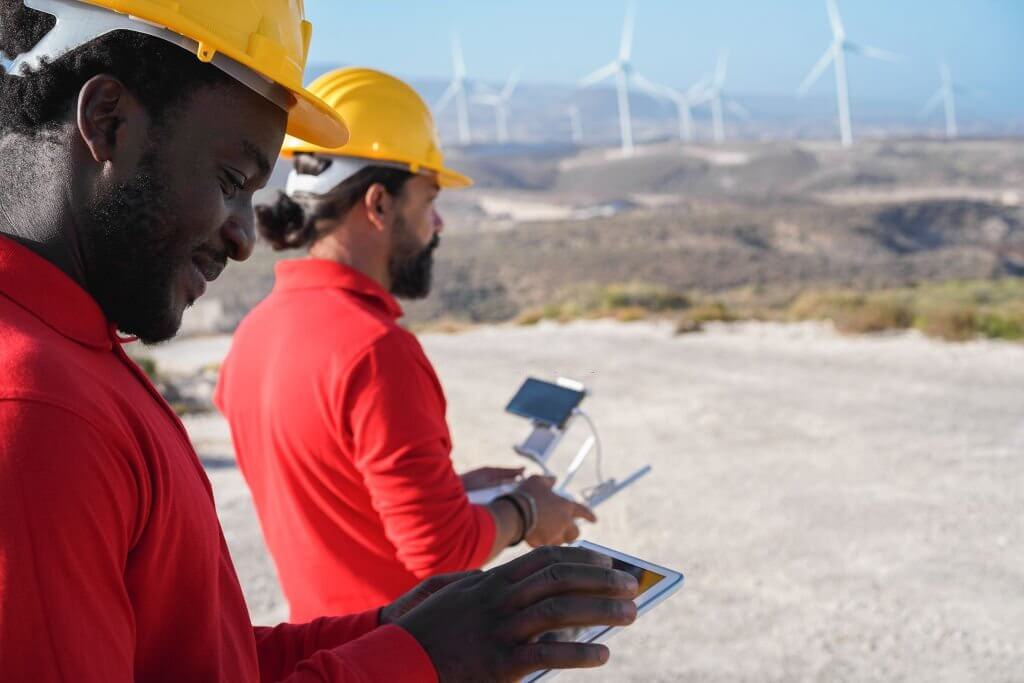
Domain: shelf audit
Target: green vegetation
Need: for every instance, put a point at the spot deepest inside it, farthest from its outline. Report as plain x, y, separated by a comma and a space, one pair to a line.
954, 310
622, 301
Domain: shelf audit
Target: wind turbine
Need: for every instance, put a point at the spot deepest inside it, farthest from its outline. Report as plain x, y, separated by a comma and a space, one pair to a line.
945, 95
575, 124
621, 69
711, 91
684, 102
456, 90
499, 100
835, 54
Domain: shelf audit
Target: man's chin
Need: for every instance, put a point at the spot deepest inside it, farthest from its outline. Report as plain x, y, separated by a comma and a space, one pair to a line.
155, 330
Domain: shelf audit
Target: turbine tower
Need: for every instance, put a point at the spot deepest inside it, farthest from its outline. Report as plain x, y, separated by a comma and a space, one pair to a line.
835, 54
711, 91
684, 102
621, 69
946, 94
499, 100
456, 90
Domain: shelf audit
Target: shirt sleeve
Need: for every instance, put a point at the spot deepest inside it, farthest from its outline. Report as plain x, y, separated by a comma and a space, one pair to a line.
395, 420
347, 649
69, 513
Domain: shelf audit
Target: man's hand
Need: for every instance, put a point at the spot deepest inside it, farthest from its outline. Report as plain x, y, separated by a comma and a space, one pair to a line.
389, 614
556, 516
484, 627
486, 477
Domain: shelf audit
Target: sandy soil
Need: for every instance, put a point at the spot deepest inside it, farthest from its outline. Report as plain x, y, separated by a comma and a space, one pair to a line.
844, 509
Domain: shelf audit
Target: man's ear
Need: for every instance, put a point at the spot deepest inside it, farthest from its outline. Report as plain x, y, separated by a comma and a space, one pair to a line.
104, 107
379, 205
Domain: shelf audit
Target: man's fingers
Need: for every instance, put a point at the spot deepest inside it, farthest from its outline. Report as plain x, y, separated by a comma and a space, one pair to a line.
553, 655
536, 560
571, 534
567, 611
582, 511
581, 579
504, 474
436, 583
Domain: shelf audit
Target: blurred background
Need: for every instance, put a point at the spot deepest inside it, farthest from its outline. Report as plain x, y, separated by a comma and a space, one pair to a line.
783, 243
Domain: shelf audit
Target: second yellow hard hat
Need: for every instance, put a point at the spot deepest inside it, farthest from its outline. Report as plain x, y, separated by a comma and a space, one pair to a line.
387, 121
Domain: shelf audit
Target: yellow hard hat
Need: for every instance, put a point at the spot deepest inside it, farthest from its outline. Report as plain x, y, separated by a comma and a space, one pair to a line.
388, 121
262, 43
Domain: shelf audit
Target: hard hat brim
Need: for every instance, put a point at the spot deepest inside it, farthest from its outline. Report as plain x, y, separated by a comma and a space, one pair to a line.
314, 121
452, 180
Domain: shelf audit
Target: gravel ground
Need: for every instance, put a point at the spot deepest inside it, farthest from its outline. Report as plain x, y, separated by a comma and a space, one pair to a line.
844, 509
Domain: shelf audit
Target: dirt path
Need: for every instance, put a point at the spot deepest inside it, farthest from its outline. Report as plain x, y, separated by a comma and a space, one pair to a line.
844, 509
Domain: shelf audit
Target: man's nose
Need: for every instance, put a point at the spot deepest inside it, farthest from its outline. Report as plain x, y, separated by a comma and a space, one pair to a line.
239, 234
438, 222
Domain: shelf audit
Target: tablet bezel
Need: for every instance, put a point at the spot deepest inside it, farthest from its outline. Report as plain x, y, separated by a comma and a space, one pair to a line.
657, 593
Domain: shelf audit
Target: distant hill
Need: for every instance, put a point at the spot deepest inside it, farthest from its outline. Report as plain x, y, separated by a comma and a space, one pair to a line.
542, 219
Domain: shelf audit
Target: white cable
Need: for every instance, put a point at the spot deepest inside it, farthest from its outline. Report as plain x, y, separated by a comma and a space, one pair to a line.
597, 442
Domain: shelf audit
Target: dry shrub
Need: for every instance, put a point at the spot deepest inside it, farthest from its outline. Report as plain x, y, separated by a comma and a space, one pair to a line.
653, 298
709, 312
688, 326
630, 314
811, 305
873, 316
530, 317
952, 323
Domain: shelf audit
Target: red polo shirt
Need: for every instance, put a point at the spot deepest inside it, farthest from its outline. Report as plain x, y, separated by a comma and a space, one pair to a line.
339, 427
112, 562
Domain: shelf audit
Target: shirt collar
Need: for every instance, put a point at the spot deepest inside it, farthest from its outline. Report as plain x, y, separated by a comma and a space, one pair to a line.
49, 294
313, 273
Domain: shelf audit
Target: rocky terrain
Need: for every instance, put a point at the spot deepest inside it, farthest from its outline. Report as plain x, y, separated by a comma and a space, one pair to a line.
705, 218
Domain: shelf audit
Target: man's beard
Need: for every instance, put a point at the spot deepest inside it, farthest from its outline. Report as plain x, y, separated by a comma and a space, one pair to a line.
411, 266
132, 256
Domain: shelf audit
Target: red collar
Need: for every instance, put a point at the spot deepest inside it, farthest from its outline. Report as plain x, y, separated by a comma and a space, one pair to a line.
46, 292
312, 273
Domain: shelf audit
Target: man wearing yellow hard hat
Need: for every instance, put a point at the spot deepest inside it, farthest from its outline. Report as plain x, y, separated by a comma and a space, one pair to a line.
337, 416
133, 134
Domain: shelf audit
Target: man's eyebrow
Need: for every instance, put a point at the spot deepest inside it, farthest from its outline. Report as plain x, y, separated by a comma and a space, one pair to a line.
257, 156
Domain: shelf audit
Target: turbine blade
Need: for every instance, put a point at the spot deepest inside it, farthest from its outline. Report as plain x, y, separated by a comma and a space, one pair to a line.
944, 74
447, 97
738, 109
873, 52
817, 70
626, 42
935, 100
699, 92
645, 85
599, 75
722, 68
835, 20
457, 61
510, 85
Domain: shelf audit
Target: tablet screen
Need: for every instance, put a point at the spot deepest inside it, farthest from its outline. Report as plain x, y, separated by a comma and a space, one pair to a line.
549, 403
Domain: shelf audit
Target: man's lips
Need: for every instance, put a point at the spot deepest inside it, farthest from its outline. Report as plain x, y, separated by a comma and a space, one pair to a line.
209, 267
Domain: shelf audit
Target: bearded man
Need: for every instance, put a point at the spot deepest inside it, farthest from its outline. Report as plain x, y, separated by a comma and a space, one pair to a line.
337, 416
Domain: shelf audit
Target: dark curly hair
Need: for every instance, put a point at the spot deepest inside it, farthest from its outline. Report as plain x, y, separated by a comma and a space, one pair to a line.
159, 74
291, 224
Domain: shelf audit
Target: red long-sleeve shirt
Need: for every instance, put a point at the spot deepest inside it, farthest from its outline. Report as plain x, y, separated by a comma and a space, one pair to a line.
113, 566
339, 427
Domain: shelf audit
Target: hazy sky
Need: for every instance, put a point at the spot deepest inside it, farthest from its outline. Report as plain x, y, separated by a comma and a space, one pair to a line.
773, 43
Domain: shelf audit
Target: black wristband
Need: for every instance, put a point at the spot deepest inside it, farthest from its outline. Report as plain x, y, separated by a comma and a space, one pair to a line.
523, 517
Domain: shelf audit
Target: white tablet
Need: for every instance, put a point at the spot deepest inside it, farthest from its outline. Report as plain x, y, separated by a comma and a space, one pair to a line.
656, 584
